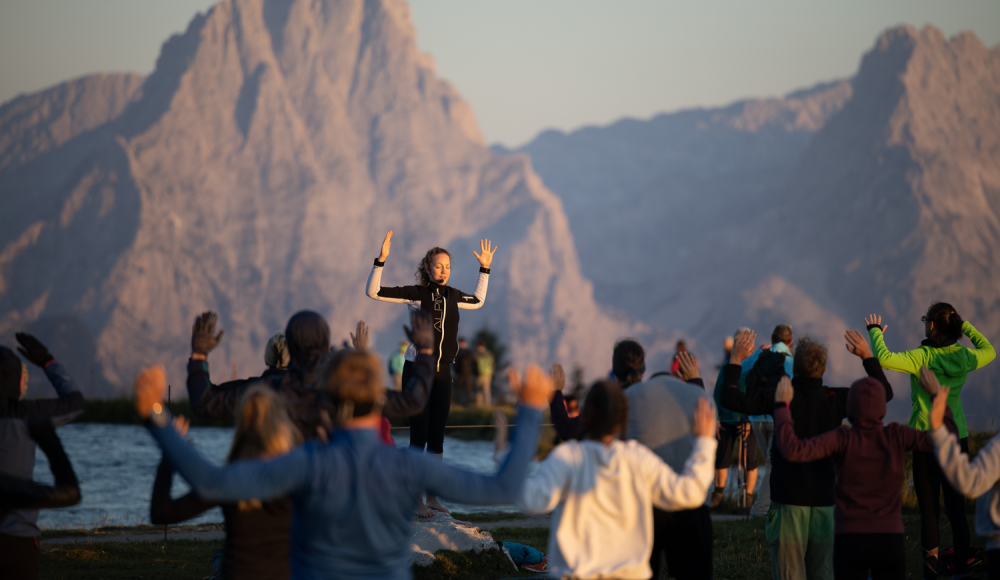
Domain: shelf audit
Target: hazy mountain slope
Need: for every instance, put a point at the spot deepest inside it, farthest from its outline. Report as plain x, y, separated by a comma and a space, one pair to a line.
270, 150
884, 204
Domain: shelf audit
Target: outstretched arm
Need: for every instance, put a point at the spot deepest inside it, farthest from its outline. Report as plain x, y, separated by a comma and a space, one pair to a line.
485, 257
904, 362
413, 398
165, 510
970, 479
70, 403
794, 449
984, 351
18, 493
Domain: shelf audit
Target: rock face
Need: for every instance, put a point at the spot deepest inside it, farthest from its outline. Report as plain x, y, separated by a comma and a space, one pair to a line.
880, 195
255, 172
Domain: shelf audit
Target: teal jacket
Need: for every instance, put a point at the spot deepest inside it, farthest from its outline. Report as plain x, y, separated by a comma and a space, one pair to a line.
951, 365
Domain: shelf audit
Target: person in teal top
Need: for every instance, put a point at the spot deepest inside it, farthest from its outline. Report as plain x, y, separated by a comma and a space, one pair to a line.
951, 363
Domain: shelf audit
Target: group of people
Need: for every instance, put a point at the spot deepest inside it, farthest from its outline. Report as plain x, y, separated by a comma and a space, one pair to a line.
314, 487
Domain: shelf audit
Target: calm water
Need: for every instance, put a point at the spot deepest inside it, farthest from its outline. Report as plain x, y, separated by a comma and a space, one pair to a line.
116, 465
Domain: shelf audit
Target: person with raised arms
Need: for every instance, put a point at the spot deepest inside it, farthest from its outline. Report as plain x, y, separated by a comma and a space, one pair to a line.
352, 497
951, 363
432, 294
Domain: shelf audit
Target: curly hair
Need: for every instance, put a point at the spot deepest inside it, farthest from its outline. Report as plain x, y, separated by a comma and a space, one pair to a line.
421, 274
810, 359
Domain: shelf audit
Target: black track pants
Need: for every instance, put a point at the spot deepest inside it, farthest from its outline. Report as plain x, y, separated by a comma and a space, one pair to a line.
929, 483
854, 555
684, 538
993, 565
427, 428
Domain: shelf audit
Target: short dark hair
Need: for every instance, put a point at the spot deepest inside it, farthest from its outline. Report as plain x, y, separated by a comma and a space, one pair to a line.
462, 339
628, 363
946, 321
810, 359
605, 410
782, 333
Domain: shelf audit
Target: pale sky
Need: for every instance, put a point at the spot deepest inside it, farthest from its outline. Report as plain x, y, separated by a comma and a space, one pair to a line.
529, 65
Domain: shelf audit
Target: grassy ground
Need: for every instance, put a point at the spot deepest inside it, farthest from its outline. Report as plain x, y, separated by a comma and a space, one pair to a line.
741, 553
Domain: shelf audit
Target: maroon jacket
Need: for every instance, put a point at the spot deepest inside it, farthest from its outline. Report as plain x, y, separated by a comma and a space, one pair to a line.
868, 457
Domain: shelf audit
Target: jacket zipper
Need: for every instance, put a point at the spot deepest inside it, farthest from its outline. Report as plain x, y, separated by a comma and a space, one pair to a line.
444, 314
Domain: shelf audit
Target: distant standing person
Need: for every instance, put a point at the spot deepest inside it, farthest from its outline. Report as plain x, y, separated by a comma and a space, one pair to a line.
762, 370
733, 431
396, 363
465, 372
433, 295
485, 366
951, 363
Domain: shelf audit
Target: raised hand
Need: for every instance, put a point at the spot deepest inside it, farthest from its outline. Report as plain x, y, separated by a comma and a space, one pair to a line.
742, 346
704, 419
386, 243
689, 366
536, 390
182, 425
360, 340
785, 392
857, 344
485, 254
876, 320
149, 387
929, 381
558, 376
33, 349
938, 407
203, 337
422, 333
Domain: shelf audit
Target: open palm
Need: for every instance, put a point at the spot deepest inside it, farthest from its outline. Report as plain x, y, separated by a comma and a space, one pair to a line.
485, 253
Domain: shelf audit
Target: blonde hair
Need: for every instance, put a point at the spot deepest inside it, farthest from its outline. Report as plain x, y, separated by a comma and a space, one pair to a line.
276, 353
353, 380
263, 429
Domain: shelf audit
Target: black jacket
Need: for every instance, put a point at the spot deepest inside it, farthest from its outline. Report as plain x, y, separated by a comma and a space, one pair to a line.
815, 409
257, 539
442, 302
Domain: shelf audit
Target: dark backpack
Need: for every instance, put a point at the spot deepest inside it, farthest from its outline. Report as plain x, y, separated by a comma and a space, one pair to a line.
766, 371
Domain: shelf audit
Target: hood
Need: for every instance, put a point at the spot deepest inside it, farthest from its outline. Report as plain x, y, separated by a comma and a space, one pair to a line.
866, 403
951, 364
10, 374
308, 338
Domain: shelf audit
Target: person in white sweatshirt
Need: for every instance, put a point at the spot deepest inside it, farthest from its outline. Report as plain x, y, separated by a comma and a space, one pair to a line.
979, 478
601, 490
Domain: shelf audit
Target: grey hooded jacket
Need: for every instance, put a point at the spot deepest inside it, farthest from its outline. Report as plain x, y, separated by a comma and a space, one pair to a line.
978, 478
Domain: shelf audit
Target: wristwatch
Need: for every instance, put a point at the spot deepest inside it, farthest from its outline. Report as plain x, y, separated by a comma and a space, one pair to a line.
160, 416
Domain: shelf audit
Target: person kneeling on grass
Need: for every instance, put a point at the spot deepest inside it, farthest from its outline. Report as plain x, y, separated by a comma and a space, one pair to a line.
979, 478
603, 489
353, 498
869, 457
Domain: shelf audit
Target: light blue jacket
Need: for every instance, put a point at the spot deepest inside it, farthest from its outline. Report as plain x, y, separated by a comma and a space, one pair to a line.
353, 497
751, 360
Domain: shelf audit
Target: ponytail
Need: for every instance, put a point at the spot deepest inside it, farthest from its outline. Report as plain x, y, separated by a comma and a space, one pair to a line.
628, 363
947, 322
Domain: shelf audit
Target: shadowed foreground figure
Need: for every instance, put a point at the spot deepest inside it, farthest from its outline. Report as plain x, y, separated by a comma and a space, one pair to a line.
800, 524
307, 337
869, 458
19, 555
354, 497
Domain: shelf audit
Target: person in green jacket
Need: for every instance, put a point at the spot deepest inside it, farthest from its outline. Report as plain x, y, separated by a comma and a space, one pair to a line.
951, 364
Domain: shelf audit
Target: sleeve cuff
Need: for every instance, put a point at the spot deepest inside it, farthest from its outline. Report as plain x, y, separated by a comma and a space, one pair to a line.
379, 264
878, 326
940, 436
50, 363
482, 270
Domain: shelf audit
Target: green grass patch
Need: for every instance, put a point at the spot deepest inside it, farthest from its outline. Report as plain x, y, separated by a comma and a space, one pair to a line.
488, 516
171, 560
740, 553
